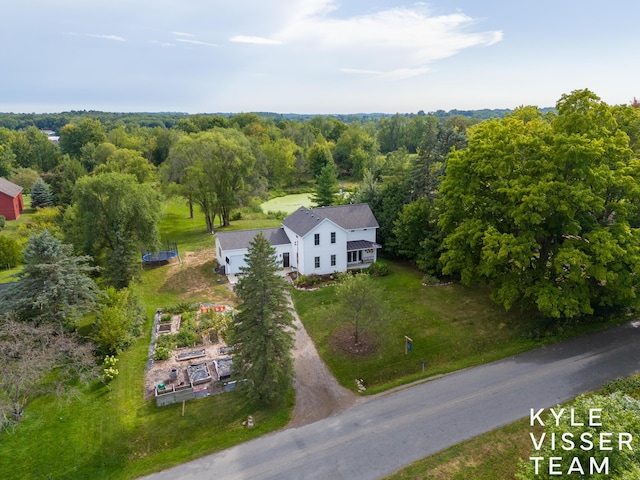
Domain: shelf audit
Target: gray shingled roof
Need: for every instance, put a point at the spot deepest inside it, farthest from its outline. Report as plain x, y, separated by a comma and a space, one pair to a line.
361, 245
242, 238
302, 221
8, 188
349, 217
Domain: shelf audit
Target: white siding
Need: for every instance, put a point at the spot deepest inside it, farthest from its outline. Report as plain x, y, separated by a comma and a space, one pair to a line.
309, 251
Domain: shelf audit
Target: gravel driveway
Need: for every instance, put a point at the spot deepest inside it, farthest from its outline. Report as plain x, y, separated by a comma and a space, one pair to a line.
318, 394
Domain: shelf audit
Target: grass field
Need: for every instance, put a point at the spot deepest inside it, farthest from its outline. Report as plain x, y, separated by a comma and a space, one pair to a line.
452, 327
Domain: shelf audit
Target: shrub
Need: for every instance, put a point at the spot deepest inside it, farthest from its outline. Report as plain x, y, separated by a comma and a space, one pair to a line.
109, 371
182, 307
161, 353
186, 337
165, 317
308, 280
237, 215
378, 269
10, 252
3, 221
341, 276
430, 280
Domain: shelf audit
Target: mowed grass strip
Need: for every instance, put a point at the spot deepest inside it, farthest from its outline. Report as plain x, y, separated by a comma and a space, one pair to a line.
452, 327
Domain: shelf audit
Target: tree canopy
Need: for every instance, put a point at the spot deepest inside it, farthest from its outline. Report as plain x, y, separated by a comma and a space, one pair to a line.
54, 287
546, 211
112, 218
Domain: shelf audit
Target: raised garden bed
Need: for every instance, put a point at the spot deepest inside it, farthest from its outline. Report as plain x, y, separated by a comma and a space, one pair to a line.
191, 354
199, 373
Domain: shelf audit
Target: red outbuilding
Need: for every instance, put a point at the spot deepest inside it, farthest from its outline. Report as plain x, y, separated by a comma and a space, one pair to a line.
11, 204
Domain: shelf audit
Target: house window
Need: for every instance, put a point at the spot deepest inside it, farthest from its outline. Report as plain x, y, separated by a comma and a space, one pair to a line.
333, 237
316, 239
333, 260
317, 262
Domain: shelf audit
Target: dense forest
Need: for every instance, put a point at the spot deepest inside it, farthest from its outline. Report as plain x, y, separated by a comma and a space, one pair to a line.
540, 204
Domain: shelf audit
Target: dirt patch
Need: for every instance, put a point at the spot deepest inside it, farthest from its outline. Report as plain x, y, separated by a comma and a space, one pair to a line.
195, 277
343, 341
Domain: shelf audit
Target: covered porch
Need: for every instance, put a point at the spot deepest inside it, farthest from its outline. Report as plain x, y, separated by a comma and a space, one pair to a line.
361, 254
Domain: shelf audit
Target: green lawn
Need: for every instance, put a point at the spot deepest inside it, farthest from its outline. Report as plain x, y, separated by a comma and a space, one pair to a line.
452, 327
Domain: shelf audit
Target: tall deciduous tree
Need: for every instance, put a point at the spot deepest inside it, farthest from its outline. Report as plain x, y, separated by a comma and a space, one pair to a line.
262, 328
112, 218
75, 136
54, 287
546, 212
219, 161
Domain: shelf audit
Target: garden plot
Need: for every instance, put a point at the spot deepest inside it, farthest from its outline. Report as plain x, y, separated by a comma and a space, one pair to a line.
192, 337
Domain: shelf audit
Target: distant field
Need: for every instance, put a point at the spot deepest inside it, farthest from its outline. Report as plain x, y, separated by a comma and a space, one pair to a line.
288, 203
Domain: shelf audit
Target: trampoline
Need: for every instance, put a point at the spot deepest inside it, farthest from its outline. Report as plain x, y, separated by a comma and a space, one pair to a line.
156, 257
161, 257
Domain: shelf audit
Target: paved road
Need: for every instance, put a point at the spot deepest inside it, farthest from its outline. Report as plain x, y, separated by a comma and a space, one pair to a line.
380, 436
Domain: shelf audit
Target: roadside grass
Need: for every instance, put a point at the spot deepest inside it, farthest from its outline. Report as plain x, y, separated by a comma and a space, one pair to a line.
493, 455
109, 431
452, 327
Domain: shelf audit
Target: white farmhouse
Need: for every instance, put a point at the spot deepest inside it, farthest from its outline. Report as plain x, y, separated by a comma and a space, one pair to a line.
317, 241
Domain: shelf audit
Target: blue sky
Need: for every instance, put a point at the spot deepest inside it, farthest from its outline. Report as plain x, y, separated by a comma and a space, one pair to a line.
313, 56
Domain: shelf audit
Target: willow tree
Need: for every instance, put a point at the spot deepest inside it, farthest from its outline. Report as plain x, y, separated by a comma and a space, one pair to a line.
263, 327
545, 210
112, 218
211, 168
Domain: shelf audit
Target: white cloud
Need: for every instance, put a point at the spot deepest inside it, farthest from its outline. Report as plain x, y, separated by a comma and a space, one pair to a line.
360, 71
163, 44
397, 42
182, 34
115, 38
254, 40
196, 42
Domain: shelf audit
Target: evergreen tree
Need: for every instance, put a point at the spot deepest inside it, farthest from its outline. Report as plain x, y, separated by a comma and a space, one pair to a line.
41, 194
326, 186
262, 329
54, 286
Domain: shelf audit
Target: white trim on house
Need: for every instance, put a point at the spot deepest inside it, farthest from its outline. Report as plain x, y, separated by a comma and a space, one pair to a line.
354, 228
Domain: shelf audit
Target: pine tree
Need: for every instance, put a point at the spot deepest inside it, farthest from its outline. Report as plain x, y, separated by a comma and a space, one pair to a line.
326, 186
55, 286
262, 329
41, 194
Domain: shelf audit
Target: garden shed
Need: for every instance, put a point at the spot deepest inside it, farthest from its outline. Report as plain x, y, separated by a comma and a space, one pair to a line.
11, 204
